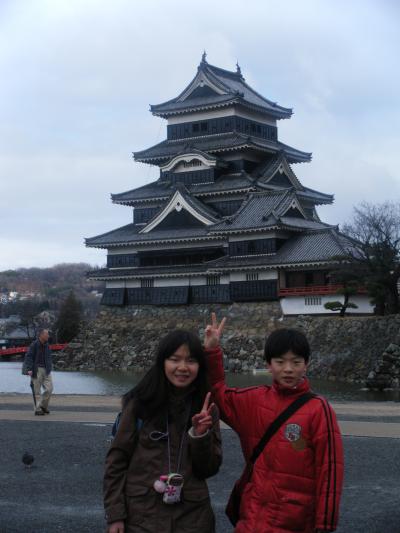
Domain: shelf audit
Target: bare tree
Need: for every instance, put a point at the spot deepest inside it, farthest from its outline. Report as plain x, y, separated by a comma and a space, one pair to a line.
375, 249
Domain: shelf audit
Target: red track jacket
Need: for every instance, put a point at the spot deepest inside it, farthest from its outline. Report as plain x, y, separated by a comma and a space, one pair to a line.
297, 481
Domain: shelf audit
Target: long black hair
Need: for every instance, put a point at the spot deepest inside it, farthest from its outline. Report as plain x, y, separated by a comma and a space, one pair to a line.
151, 393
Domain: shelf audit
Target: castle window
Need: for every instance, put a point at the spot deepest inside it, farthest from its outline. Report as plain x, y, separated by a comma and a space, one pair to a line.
251, 248
147, 283
192, 163
204, 126
195, 127
213, 280
252, 277
312, 300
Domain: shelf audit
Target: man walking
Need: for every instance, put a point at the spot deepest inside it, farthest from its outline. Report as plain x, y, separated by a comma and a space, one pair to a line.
38, 362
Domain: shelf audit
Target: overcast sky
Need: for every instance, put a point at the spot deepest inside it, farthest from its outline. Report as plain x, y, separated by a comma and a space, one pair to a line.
77, 78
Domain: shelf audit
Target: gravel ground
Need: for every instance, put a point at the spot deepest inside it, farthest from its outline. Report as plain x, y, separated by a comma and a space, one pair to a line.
62, 491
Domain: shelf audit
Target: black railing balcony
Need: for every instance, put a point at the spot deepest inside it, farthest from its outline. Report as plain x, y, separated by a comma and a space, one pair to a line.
191, 176
262, 290
209, 294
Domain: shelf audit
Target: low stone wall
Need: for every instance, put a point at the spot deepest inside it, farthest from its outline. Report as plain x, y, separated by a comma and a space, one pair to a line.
125, 338
348, 349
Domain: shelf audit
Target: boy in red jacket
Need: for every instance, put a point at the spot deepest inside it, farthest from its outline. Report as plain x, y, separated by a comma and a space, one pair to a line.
296, 481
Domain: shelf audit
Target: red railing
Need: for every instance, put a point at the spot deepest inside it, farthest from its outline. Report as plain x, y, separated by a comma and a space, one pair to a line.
24, 349
314, 289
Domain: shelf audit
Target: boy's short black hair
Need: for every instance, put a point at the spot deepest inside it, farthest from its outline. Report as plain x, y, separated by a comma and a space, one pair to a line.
284, 340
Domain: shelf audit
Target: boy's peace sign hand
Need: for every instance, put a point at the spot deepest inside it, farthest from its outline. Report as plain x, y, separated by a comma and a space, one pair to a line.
202, 422
213, 332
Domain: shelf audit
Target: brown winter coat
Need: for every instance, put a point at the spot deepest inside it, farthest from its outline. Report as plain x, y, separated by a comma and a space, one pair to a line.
134, 462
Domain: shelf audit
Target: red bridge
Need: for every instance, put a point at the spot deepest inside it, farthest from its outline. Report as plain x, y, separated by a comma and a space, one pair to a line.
24, 349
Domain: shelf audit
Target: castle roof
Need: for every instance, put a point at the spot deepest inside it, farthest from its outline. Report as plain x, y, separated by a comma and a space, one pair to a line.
325, 245
309, 248
214, 87
162, 190
268, 209
219, 143
261, 211
228, 184
276, 173
130, 234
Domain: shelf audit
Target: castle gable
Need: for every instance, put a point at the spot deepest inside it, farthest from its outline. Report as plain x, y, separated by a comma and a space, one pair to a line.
180, 211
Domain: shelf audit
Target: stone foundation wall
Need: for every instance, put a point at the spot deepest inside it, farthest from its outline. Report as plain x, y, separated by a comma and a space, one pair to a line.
386, 373
125, 338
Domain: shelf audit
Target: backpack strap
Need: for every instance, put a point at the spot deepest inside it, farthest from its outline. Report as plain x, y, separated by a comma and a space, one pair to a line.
114, 429
278, 422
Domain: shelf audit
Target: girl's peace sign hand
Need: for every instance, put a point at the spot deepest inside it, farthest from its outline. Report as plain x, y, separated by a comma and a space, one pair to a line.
202, 422
213, 332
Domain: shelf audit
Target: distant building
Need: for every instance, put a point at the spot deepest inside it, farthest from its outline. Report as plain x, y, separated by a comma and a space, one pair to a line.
19, 336
228, 220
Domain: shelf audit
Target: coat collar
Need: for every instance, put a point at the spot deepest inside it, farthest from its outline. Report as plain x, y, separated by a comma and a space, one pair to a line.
301, 388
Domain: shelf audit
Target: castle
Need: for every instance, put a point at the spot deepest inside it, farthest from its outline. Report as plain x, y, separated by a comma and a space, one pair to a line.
227, 220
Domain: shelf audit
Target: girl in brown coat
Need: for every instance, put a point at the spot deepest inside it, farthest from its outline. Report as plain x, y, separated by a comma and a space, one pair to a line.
167, 443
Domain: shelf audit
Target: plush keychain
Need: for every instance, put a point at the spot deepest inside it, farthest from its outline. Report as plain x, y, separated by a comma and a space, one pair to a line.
171, 487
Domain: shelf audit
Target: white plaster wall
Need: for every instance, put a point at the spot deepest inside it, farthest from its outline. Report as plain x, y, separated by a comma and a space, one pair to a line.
268, 274
198, 280
186, 281
171, 282
133, 284
238, 276
118, 284
263, 275
295, 305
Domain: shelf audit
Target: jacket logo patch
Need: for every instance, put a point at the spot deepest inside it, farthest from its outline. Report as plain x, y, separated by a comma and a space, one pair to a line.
292, 432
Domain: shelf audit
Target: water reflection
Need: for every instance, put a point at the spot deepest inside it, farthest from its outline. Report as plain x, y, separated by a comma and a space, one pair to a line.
117, 383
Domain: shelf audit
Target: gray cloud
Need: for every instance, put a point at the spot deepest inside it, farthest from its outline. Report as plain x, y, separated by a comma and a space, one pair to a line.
78, 77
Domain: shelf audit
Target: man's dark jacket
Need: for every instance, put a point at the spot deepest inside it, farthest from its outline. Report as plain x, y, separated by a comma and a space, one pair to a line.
32, 356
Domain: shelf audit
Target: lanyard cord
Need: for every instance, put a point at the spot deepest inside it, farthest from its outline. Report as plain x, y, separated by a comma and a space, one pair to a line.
183, 438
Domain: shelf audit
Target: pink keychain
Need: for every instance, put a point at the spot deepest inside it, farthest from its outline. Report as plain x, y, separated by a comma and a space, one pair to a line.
160, 484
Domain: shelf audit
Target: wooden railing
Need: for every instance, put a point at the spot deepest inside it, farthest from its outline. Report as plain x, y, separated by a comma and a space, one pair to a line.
312, 289
319, 290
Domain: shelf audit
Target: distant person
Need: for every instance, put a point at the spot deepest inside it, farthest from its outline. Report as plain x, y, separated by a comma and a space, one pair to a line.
167, 443
38, 363
293, 482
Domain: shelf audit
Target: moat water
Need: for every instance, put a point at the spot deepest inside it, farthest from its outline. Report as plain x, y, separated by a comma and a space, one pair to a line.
117, 383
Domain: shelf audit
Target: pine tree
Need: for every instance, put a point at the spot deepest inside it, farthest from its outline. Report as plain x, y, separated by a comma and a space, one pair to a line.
69, 320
